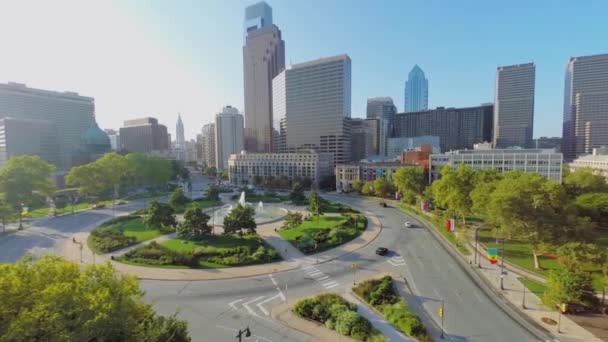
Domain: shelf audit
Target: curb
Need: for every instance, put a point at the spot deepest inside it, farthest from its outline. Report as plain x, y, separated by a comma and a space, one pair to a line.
512, 311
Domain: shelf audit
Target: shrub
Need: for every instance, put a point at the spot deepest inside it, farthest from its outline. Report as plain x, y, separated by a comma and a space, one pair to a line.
361, 329
399, 315
306, 243
177, 198
108, 239
330, 324
345, 322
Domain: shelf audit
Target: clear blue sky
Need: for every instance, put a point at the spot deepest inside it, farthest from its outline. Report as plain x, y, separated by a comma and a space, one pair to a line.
457, 43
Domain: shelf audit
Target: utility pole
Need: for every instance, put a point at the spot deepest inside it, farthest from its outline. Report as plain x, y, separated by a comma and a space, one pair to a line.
523, 300
442, 314
502, 263
354, 267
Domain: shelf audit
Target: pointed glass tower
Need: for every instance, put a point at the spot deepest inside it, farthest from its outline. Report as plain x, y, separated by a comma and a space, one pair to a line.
416, 91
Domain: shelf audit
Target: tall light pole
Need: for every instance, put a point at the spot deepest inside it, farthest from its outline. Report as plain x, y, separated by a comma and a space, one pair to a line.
502, 263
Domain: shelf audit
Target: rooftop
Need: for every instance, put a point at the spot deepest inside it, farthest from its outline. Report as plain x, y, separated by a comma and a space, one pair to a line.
338, 58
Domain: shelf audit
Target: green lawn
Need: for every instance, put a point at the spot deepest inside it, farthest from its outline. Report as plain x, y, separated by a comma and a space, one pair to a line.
439, 226
534, 286
214, 251
139, 230
121, 232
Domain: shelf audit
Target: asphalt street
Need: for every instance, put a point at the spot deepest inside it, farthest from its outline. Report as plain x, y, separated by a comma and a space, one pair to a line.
216, 309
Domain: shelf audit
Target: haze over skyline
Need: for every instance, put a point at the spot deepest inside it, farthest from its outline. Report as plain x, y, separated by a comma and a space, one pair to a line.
158, 58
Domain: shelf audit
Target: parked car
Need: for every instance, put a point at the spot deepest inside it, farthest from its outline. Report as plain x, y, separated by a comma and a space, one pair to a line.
408, 224
382, 251
383, 204
99, 206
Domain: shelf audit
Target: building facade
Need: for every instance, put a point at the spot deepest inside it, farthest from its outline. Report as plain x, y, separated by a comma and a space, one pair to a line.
596, 161
549, 142
416, 97
364, 138
228, 135
585, 122
244, 167
418, 156
313, 100
395, 146
514, 106
145, 136
382, 108
27, 137
545, 162
347, 174
114, 136
180, 140
457, 128
208, 142
263, 59
68, 113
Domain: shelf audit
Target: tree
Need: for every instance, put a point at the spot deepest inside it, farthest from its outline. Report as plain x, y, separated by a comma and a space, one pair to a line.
88, 179
116, 169
410, 179
213, 193
569, 285
195, 223
210, 171
177, 198
584, 181
382, 187
225, 175
54, 300
575, 254
452, 191
239, 218
357, 185
532, 208
368, 189
485, 183
297, 193
293, 220
314, 204
7, 212
595, 206
306, 183
159, 214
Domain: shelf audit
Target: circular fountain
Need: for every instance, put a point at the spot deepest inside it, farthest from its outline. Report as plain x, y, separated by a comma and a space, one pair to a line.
263, 213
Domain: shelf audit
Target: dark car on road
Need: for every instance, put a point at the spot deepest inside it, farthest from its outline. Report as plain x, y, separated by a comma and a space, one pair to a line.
382, 251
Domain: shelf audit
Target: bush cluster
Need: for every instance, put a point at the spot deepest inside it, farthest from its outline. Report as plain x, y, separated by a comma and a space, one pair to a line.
381, 294
329, 237
107, 239
335, 313
156, 254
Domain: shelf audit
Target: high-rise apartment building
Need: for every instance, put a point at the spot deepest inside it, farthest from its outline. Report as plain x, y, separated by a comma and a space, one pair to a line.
416, 91
27, 137
382, 108
457, 128
514, 106
145, 136
208, 141
313, 100
263, 59
585, 122
364, 138
180, 140
228, 135
68, 114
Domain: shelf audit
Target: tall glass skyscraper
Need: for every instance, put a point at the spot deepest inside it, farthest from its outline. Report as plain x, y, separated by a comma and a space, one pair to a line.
416, 91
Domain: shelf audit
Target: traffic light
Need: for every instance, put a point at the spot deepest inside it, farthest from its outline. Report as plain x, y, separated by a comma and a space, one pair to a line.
440, 312
563, 307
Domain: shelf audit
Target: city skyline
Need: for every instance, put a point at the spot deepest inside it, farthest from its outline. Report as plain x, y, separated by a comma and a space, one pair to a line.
178, 53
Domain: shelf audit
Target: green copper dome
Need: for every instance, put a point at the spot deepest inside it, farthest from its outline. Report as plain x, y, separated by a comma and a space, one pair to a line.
94, 136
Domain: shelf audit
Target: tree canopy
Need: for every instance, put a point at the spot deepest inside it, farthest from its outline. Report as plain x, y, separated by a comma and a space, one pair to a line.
177, 198
239, 218
23, 179
408, 179
584, 181
195, 223
382, 187
297, 193
54, 300
453, 190
160, 214
314, 204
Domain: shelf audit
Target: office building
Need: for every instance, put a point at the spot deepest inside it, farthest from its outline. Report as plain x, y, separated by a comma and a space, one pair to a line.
545, 162
548, 142
114, 136
27, 137
347, 174
180, 146
145, 136
514, 106
244, 167
416, 91
395, 146
263, 59
228, 135
313, 100
585, 122
364, 138
68, 113
418, 156
457, 128
596, 161
208, 134
382, 108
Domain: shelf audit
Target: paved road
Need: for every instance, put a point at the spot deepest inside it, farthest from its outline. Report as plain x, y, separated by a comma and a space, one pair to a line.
216, 309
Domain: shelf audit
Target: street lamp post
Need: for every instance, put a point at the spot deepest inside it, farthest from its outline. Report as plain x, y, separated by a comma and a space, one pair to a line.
245, 332
523, 300
477, 257
502, 264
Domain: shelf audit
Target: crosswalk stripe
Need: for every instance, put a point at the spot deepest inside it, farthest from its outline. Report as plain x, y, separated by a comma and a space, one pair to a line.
314, 274
307, 267
323, 278
332, 286
330, 283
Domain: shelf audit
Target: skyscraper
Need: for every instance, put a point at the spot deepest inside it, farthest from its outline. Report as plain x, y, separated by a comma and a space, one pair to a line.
416, 91
144, 135
585, 122
68, 114
313, 100
514, 106
208, 134
228, 135
364, 138
382, 108
179, 138
263, 59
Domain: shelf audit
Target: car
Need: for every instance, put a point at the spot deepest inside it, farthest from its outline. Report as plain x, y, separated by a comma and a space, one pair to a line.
99, 206
408, 225
383, 204
381, 250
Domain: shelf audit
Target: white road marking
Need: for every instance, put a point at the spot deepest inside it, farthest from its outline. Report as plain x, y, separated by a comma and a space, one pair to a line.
332, 286
314, 274
234, 302
312, 270
259, 305
307, 267
329, 283
246, 305
323, 278
274, 282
